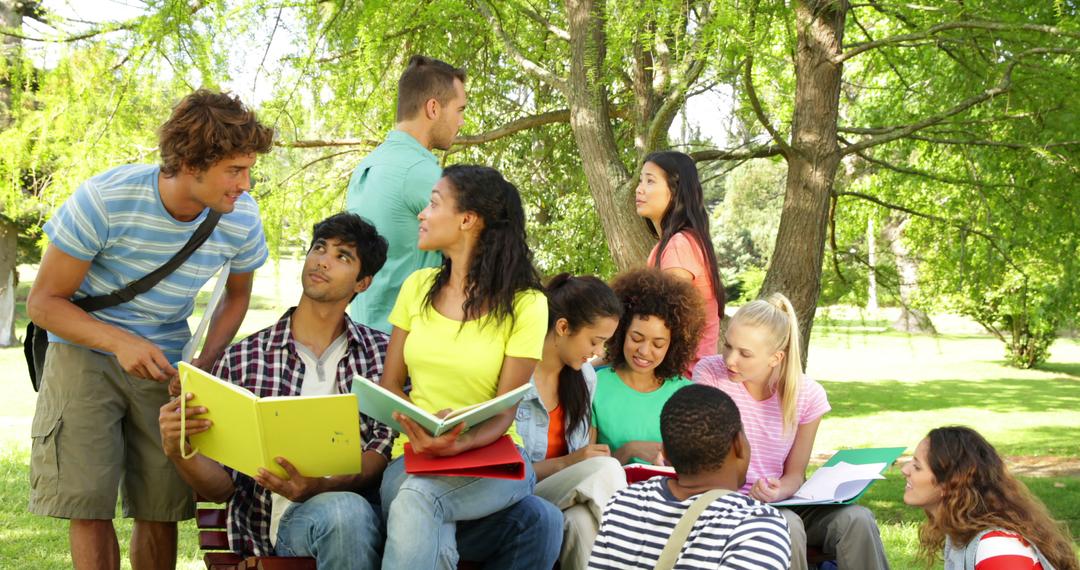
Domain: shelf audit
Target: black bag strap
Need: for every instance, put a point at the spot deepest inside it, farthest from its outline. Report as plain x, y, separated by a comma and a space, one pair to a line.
147, 282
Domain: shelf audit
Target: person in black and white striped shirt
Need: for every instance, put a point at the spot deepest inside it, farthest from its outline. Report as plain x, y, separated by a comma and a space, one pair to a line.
703, 440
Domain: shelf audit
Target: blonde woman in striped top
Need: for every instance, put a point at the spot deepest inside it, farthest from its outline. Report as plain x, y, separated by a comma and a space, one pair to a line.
760, 368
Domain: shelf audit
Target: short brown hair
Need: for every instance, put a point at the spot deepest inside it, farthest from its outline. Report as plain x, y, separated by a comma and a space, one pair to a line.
206, 127
425, 78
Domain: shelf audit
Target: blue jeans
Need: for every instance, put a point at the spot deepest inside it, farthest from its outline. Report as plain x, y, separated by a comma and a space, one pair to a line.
526, 536
338, 529
421, 515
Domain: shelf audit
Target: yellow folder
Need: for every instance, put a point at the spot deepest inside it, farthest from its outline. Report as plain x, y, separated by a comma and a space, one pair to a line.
319, 435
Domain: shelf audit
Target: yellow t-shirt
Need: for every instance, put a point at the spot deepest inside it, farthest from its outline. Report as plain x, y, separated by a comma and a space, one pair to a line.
453, 366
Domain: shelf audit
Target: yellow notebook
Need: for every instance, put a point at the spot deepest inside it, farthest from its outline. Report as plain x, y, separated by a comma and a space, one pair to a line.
319, 435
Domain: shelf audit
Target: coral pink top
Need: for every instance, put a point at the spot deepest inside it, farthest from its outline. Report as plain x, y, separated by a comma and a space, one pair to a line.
683, 252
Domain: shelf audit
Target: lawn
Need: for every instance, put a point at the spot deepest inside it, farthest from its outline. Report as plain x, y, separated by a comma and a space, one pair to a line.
885, 388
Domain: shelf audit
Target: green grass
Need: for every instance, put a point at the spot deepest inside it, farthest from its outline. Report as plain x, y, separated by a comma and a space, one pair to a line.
886, 389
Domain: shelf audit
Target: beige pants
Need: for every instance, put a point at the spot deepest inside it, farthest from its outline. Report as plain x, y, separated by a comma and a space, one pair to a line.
581, 491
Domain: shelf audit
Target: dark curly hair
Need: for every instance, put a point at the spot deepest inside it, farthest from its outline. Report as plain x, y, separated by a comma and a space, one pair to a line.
207, 127
698, 425
979, 493
502, 262
653, 293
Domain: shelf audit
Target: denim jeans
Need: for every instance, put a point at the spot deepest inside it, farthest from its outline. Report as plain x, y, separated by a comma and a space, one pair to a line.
526, 536
338, 529
421, 515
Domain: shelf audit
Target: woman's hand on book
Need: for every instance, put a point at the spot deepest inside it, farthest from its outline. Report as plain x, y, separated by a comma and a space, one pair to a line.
295, 487
423, 442
767, 490
588, 452
644, 450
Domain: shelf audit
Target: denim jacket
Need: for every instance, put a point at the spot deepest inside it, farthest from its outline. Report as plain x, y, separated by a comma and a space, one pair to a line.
532, 421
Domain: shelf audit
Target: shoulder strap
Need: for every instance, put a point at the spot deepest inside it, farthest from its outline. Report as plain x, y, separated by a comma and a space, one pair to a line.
147, 282
674, 545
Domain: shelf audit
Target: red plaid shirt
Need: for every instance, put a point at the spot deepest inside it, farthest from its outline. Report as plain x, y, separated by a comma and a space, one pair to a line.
267, 364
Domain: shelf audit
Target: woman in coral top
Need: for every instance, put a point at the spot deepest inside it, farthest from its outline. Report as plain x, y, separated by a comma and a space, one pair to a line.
670, 199
976, 511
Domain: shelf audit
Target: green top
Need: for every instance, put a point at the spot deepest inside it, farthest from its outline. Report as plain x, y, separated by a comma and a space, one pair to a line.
622, 414
389, 188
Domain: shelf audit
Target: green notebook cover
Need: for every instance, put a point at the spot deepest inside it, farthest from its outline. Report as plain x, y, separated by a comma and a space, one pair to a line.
380, 404
886, 455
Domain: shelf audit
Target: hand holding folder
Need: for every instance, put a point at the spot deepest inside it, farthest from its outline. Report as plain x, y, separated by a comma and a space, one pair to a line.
498, 460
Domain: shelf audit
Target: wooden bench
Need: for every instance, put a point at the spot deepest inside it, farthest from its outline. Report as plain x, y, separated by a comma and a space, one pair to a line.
211, 519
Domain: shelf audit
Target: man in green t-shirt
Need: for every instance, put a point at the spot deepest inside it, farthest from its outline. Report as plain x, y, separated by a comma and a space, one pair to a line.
392, 185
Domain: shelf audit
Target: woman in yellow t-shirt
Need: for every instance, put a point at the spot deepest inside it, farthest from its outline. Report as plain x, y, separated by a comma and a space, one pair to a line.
463, 333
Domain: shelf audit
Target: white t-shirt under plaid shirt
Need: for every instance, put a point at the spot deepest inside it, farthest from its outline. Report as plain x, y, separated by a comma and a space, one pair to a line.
735, 531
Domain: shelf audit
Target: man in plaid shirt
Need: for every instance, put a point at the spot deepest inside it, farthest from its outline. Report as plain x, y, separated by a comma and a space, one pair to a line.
313, 349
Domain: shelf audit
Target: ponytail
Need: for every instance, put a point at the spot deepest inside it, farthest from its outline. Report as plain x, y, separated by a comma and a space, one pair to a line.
776, 315
582, 301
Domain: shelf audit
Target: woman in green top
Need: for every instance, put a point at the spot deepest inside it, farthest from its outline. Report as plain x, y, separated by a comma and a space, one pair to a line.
657, 337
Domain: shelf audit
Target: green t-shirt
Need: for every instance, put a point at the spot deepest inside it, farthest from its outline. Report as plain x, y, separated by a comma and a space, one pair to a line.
622, 414
453, 366
388, 189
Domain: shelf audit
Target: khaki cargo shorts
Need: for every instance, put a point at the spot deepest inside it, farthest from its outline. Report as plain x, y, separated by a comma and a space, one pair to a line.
95, 431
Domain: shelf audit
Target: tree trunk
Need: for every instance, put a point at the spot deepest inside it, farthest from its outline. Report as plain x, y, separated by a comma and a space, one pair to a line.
795, 269
9, 245
8, 281
610, 183
871, 256
911, 319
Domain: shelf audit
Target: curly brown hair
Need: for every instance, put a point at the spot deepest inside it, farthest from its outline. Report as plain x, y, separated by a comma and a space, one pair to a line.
978, 493
653, 293
207, 127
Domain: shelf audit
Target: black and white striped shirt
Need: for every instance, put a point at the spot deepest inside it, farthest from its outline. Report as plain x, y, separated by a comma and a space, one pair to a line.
735, 531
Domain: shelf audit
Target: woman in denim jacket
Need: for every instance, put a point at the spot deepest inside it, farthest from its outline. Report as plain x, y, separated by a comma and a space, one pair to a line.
573, 471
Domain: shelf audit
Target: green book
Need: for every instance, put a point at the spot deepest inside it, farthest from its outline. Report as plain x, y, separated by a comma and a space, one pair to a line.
844, 477
380, 404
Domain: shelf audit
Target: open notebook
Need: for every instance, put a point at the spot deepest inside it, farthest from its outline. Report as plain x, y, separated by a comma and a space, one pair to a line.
319, 435
380, 404
844, 477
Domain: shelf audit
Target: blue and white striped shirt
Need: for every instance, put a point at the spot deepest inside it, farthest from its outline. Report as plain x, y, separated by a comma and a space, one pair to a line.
735, 531
117, 222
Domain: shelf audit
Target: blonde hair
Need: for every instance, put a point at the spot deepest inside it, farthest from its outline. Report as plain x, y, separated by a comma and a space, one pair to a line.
776, 315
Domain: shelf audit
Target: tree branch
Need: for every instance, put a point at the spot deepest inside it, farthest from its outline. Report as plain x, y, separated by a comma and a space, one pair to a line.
856, 49
736, 154
990, 238
536, 17
674, 97
530, 66
522, 124
748, 81
316, 143
929, 175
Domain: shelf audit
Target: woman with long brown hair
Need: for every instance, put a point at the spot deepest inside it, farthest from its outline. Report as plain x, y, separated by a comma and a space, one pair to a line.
976, 511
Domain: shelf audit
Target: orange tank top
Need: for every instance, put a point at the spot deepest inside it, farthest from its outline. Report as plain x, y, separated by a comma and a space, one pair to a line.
556, 446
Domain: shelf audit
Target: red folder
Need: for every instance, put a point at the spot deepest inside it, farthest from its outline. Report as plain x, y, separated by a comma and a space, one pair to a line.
641, 472
497, 460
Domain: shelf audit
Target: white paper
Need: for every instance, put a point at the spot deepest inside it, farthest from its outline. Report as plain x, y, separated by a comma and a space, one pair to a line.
839, 482
215, 297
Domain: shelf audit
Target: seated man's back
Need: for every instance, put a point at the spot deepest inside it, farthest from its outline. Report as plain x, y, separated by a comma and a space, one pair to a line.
735, 531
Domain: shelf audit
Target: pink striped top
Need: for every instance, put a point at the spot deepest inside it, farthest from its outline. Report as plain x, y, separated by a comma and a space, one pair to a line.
763, 421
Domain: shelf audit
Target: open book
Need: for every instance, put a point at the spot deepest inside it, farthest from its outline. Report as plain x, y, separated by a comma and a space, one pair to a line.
844, 477
380, 404
319, 435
